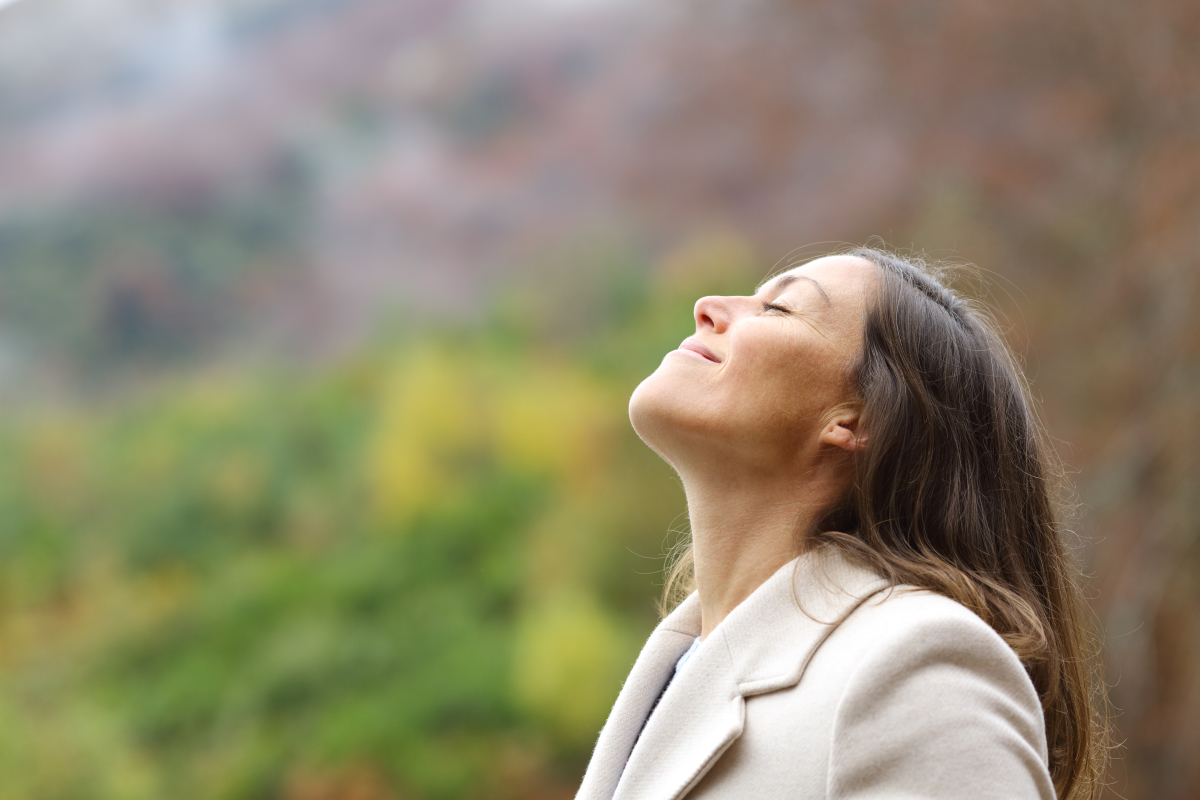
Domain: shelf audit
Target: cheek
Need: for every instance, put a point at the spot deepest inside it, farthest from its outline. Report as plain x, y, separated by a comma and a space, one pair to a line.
791, 376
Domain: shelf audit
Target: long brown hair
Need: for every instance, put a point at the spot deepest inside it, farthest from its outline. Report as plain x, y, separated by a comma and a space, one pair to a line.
960, 492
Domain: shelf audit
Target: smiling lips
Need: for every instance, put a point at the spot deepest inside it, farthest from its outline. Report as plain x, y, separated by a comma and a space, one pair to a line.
694, 345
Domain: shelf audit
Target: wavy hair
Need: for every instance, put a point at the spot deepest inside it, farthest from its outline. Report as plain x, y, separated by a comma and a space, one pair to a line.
960, 493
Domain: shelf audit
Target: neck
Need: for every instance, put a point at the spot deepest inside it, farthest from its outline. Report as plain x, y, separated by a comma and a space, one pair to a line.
744, 530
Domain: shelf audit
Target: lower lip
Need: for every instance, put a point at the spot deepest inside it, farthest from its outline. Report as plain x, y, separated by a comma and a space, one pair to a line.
693, 354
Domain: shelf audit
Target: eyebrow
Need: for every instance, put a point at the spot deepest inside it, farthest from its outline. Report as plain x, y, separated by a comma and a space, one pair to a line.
787, 280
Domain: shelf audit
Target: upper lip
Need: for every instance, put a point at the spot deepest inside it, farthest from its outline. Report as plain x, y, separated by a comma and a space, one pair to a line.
694, 344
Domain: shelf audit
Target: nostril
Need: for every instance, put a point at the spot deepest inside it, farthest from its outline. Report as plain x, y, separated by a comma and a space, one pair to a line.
702, 312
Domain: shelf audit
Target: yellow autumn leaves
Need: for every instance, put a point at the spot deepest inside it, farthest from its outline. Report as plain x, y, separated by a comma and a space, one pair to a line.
441, 413
442, 410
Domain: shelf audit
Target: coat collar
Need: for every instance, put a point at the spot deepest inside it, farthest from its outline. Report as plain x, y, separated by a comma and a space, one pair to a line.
762, 646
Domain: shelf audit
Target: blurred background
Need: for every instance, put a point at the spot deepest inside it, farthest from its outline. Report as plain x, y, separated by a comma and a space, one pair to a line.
318, 320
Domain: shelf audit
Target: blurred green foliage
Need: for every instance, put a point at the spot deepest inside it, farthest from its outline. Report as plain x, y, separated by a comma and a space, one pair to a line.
420, 572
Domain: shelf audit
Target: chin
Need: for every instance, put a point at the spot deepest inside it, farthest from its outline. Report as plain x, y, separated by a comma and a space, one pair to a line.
653, 412
662, 416
646, 411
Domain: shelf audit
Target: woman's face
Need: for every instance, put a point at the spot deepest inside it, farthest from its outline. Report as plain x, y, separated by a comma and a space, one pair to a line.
763, 374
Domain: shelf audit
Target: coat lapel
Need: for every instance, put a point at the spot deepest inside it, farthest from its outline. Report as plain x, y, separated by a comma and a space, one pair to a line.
699, 716
763, 645
773, 635
654, 665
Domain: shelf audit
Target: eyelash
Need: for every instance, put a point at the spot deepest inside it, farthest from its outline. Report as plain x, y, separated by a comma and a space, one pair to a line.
773, 307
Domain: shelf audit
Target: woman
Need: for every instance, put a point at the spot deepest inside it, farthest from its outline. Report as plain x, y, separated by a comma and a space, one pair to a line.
883, 605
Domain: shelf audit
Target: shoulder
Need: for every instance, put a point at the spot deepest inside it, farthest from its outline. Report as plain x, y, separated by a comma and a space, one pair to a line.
919, 623
933, 691
928, 642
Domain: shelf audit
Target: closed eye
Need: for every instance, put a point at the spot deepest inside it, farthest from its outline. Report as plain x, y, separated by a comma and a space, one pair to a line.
772, 307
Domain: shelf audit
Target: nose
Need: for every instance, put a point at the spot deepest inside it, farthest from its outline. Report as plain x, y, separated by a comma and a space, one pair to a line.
713, 312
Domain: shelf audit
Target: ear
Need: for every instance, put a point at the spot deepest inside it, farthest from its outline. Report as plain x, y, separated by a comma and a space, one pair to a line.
843, 431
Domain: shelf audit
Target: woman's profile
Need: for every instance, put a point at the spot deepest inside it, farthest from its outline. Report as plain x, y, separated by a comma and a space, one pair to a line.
876, 600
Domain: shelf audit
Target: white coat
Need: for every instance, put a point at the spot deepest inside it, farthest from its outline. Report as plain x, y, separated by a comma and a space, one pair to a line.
825, 683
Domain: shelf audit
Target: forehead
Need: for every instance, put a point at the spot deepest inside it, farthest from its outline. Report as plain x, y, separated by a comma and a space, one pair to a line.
837, 275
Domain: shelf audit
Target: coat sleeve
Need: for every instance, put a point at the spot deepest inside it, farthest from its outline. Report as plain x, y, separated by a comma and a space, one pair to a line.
939, 708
